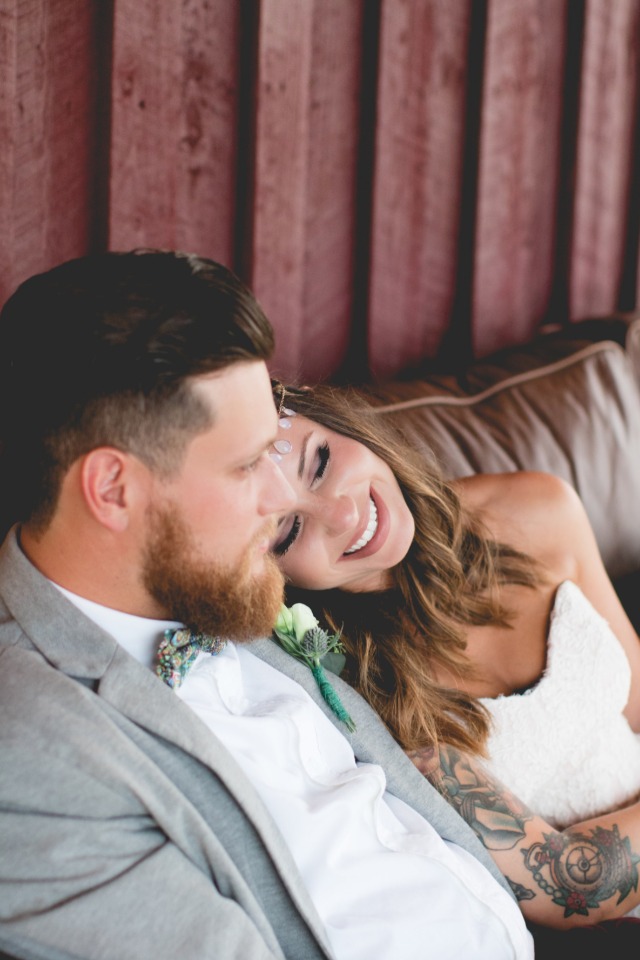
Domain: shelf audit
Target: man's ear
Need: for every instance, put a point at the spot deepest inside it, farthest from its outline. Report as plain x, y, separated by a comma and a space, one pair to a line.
108, 479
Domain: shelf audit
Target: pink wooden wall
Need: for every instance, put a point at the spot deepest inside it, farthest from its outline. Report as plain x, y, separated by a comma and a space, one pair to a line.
396, 179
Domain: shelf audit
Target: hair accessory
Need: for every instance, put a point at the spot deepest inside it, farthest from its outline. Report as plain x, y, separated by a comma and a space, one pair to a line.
281, 447
285, 422
279, 392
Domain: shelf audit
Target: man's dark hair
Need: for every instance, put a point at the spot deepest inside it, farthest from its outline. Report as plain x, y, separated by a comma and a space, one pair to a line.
99, 351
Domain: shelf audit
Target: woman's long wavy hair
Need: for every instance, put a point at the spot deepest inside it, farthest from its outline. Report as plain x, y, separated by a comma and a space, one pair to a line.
449, 579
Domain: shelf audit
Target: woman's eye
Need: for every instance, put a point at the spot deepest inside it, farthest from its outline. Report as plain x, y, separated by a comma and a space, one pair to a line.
324, 455
281, 548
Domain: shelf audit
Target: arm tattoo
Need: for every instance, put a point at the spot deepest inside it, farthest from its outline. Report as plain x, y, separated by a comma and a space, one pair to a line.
521, 893
496, 816
577, 871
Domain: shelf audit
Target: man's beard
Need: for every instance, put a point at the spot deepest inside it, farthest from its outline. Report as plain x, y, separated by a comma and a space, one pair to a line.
220, 601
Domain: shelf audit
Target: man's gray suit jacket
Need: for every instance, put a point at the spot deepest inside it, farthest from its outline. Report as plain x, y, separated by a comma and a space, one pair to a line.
126, 829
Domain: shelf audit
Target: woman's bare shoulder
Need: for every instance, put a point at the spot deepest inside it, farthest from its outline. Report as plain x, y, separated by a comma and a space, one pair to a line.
536, 512
532, 491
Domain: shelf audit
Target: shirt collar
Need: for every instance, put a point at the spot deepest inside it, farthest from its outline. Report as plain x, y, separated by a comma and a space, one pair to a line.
139, 636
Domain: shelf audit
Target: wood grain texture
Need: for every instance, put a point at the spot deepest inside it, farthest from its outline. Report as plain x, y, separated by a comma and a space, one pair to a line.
282, 134
417, 179
174, 126
398, 180
518, 170
47, 125
307, 103
608, 104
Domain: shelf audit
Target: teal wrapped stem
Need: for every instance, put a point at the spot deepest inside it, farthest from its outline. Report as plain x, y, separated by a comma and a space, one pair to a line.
331, 697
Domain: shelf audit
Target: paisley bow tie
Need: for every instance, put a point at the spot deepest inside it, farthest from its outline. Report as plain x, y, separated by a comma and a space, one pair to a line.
178, 650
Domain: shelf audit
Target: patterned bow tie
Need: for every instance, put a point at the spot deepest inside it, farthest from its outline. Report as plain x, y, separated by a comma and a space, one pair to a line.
178, 651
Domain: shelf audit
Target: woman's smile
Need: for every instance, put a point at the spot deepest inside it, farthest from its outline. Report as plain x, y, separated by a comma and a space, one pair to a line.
370, 530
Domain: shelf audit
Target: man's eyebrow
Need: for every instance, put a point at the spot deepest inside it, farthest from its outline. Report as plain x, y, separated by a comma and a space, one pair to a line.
303, 453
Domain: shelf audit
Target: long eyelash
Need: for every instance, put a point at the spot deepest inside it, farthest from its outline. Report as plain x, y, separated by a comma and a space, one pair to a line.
281, 548
324, 455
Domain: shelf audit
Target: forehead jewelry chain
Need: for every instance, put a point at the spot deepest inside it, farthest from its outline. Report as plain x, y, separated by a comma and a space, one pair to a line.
282, 447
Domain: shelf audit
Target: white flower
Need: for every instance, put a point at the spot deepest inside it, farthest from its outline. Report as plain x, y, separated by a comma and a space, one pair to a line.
284, 623
302, 620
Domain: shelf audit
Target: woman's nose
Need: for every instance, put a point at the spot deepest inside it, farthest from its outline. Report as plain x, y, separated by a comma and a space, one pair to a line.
338, 514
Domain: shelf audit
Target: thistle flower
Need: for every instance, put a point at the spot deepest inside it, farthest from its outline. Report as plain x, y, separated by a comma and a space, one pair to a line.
316, 643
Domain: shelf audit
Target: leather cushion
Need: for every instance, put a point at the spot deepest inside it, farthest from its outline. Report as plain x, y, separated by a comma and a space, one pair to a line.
566, 404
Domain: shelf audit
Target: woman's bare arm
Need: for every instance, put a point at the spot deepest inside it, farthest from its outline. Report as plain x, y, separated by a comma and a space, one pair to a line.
561, 878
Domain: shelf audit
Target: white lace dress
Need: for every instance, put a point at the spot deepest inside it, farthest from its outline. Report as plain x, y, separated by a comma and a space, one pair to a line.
564, 747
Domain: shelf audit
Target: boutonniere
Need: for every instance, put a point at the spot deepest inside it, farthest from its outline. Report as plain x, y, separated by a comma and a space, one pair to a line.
298, 633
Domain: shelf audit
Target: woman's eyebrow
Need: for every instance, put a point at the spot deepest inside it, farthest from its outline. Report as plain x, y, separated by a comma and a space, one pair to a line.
303, 453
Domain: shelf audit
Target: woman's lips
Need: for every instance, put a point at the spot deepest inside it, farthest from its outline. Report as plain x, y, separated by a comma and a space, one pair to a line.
379, 536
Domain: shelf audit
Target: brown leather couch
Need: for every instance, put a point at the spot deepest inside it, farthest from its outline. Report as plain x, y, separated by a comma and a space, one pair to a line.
568, 403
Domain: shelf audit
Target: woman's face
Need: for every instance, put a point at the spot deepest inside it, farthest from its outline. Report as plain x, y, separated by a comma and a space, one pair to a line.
350, 524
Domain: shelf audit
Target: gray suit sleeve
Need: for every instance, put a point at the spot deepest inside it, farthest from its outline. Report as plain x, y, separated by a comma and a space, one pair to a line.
86, 872
110, 851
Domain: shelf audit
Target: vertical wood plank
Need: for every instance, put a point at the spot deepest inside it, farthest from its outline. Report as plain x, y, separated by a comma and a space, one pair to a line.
417, 179
334, 136
305, 154
282, 137
608, 104
9, 136
518, 171
174, 126
47, 110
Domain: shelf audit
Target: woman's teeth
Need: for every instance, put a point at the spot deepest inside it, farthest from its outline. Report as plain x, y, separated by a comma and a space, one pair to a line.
372, 526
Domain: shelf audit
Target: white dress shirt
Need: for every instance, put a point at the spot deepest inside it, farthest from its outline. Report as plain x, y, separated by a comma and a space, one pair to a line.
385, 884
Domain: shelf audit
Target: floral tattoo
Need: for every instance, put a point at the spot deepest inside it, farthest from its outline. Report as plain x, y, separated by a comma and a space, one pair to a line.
577, 871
